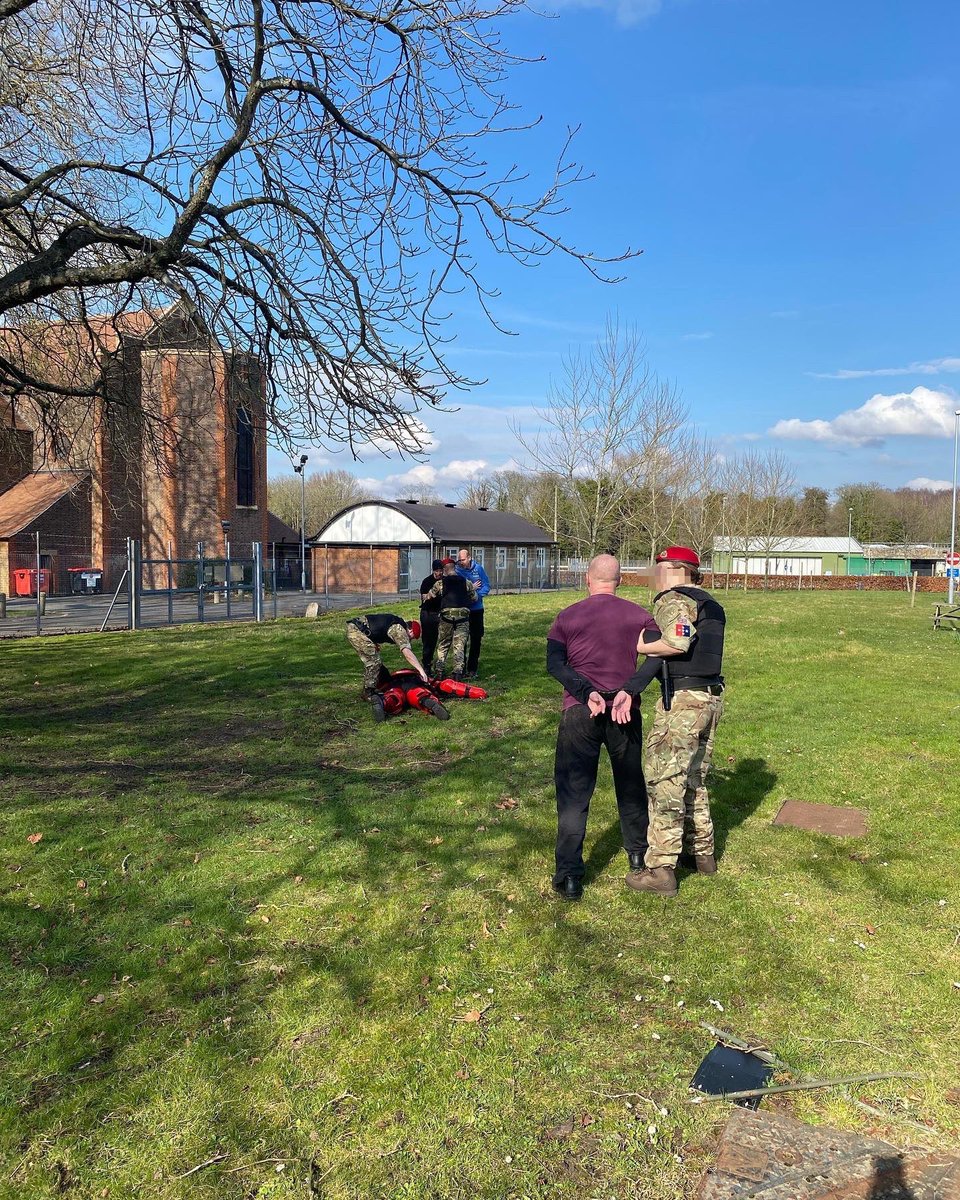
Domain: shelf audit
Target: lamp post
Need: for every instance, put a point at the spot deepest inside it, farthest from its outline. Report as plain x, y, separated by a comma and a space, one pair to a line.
298, 468
953, 511
849, 536
728, 550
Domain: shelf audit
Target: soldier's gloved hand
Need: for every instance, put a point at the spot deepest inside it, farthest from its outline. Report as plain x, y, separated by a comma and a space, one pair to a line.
621, 708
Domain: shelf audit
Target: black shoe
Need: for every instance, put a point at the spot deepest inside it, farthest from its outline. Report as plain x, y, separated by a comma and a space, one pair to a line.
433, 705
570, 887
377, 705
636, 859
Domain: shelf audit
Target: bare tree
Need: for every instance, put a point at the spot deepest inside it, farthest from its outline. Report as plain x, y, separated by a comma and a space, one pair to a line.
479, 493
701, 507
761, 509
605, 434
308, 176
665, 468
325, 493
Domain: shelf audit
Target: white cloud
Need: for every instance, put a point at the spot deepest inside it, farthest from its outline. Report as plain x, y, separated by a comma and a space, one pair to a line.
923, 484
627, 12
409, 435
920, 413
443, 479
696, 337
933, 366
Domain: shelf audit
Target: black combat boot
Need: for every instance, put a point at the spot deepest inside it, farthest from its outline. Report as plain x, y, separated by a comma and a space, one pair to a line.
569, 887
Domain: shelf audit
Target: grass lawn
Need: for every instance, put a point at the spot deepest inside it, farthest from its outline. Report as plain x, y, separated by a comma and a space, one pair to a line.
257, 926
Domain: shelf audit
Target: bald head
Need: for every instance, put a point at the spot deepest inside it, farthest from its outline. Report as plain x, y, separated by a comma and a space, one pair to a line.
603, 574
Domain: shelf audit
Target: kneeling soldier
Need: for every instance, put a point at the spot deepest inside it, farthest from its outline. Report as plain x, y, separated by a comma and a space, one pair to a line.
367, 634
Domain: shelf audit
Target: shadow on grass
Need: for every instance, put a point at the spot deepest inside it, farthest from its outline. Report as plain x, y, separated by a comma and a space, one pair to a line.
266, 873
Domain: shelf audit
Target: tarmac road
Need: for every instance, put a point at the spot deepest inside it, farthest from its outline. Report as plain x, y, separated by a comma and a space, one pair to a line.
85, 614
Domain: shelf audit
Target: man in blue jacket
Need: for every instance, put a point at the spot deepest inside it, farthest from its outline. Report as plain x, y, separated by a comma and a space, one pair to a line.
470, 570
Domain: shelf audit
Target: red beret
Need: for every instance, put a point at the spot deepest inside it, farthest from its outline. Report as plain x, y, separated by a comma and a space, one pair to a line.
449, 562
679, 554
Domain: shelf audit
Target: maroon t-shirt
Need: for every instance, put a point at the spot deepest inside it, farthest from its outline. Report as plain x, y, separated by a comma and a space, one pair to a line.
601, 635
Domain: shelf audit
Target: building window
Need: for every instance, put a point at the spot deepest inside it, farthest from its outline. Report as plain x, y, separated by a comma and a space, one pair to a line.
476, 553
521, 558
541, 556
450, 552
501, 558
246, 491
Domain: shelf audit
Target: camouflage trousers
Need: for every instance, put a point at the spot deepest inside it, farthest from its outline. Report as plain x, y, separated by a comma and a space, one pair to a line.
679, 752
369, 654
452, 643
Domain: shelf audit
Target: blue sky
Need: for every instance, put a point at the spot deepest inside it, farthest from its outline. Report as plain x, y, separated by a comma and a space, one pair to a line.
790, 171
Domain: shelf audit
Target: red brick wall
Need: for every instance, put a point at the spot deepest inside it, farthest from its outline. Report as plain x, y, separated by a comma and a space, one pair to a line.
16, 456
64, 538
347, 569
824, 583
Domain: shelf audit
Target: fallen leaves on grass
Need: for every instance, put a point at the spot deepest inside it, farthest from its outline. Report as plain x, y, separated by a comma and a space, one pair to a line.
33, 838
473, 1016
506, 803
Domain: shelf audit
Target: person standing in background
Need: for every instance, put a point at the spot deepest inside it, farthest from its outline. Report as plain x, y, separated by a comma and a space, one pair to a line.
468, 568
456, 595
430, 614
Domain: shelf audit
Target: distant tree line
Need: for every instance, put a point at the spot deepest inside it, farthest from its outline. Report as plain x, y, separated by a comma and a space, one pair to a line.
616, 465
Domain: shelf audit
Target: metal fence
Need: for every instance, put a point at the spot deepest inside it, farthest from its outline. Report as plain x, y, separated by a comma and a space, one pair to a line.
49, 593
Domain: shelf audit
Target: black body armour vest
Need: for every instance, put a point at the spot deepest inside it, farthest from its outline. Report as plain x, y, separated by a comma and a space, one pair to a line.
704, 659
379, 623
455, 594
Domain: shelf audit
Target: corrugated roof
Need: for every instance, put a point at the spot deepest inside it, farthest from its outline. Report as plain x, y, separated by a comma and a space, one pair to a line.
29, 499
452, 524
790, 545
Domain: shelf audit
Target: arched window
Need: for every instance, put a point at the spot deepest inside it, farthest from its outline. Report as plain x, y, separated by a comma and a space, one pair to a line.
246, 490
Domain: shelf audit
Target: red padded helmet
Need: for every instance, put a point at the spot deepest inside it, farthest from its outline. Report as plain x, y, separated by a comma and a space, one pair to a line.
415, 631
679, 554
449, 562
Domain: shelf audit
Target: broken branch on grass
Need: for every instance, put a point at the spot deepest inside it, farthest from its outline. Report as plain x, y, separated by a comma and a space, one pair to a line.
258, 1163
200, 1166
802, 1086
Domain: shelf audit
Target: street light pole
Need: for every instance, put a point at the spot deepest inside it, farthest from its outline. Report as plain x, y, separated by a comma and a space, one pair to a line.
299, 469
849, 536
953, 511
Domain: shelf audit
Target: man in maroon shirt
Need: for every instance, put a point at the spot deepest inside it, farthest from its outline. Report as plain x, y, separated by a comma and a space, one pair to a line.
592, 651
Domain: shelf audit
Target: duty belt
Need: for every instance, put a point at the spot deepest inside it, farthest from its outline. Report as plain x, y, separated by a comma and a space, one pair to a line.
362, 626
693, 684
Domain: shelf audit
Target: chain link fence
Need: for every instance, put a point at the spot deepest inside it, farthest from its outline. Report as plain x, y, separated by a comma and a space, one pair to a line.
55, 588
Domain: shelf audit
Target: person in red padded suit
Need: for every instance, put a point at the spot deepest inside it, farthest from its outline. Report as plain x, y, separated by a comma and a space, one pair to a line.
405, 689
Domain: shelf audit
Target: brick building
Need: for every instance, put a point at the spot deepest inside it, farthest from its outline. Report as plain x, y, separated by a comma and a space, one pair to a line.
174, 448
387, 546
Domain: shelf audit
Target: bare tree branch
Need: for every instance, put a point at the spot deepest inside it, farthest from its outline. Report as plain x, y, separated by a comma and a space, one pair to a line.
309, 177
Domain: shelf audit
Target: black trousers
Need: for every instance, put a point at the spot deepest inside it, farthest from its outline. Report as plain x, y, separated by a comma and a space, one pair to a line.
429, 632
579, 741
476, 637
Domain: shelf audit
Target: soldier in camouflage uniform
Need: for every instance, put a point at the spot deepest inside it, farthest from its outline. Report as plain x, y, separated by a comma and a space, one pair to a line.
680, 742
456, 595
367, 634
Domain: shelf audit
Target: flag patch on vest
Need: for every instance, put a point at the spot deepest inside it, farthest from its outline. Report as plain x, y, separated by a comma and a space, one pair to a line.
682, 629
